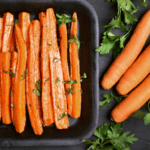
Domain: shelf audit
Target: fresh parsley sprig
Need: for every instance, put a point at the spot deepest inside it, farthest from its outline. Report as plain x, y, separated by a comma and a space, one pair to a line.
110, 137
108, 98
38, 90
63, 19
111, 41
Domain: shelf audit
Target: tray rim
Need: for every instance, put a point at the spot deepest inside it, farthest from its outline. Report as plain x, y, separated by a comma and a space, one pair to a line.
95, 87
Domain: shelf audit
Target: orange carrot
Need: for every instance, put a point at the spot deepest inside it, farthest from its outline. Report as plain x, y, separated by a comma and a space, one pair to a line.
134, 101
19, 84
1, 33
0, 84
75, 71
7, 31
64, 60
13, 43
129, 54
33, 101
57, 85
6, 114
24, 22
135, 74
13, 70
47, 106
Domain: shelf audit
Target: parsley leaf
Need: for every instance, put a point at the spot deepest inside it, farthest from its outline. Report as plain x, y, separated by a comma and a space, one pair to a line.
24, 76
9, 72
110, 137
46, 81
37, 92
62, 115
63, 19
109, 97
76, 40
144, 2
38, 84
12, 105
70, 91
83, 77
70, 82
58, 80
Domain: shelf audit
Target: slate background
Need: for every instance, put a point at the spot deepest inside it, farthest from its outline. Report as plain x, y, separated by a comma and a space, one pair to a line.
106, 11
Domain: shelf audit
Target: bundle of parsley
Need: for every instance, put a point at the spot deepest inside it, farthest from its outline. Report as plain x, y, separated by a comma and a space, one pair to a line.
124, 16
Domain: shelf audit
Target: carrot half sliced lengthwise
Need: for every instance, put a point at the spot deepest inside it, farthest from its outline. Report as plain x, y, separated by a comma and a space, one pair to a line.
134, 101
1, 36
13, 43
14, 57
6, 79
19, 84
57, 85
47, 105
129, 54
33, 101
7, 31
75, 71
24, 22
64, 61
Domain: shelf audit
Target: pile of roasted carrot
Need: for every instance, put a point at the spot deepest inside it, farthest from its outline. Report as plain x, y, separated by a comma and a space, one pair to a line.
35, 72
131, 72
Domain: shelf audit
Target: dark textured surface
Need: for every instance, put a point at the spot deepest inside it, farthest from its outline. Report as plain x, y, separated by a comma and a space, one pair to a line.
106, 11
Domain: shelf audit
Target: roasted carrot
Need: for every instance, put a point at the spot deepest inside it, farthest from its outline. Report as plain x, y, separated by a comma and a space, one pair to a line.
1, 35
19, 84
24, 22
8, 19
129, 54
6, 114
57, 85
134, 101
135, 74
33, 101
47, 105
75, 71
14, 56
13, 43
64, 61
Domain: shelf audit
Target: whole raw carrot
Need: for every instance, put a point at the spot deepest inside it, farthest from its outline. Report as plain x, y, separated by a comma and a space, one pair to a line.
64, 61
5, 82
129, 54
33, 101
75, 70
134, 101
47, 105
19, 84
8, 19
14, 58
57, 83
135, 74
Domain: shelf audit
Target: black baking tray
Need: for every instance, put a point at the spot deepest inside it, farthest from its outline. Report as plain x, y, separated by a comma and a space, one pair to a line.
83, 127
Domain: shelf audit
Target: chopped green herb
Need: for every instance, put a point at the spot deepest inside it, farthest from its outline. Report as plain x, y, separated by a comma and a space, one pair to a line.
12, 105
70, 82
16, 22
24, 76
59, 106
46, 81
11, 69
62, 115
49, 44
64, 19
59, 38
83, 77
57, 81
55, 60
76, 40
5, 71
37, 92
11, 92
110, 137
144, 2
70, 91
12, 74
38, 84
